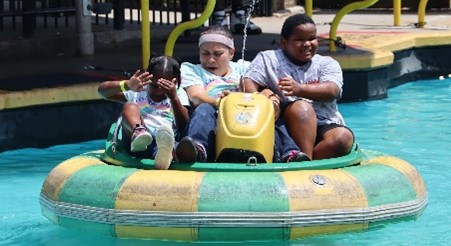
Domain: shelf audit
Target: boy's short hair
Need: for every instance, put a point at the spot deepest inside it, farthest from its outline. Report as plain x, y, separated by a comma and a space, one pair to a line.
293, 21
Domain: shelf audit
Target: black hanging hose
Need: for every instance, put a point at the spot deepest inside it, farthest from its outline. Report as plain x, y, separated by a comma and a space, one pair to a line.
126, 73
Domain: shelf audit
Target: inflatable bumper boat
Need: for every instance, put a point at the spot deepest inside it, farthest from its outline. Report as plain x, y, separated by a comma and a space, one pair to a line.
110, 192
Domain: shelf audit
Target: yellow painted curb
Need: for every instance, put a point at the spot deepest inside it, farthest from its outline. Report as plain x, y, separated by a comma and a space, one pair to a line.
42, 96
366, 50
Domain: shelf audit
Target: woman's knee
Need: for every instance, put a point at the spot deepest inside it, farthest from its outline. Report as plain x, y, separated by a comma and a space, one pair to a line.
205, 109
204, 114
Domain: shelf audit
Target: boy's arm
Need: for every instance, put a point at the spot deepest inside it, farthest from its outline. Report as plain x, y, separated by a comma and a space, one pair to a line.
250, 86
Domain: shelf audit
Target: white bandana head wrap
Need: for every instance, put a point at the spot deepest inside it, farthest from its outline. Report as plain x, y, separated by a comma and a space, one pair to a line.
217, 38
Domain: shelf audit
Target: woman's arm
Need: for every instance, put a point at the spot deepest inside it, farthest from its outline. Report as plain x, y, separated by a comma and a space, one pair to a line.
198, 95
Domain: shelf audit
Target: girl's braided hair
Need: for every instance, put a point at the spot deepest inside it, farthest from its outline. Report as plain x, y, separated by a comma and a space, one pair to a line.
166, 65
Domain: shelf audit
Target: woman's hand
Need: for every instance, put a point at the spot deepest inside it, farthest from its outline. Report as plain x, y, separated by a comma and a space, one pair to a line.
276, 102
224, 94
137, 82
274, 99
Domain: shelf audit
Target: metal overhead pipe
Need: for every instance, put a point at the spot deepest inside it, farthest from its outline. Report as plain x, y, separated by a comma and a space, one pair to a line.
180, 28
345, 10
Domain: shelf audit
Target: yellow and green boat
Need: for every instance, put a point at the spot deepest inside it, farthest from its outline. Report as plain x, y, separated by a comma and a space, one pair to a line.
109, 192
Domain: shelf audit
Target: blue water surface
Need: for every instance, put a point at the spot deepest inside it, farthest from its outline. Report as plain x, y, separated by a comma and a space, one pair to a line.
413, 124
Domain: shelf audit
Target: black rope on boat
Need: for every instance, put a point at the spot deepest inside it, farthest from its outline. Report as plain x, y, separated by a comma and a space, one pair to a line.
419, 24
338, 42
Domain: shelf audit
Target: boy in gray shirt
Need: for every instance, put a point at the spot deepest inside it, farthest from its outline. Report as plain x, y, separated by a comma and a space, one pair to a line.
308, 86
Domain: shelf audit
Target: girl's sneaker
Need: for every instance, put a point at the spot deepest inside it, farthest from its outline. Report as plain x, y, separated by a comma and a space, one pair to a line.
141, 138
165, 146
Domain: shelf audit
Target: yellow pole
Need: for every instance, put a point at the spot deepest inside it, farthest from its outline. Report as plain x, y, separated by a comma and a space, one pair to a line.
309, 7
422, 13
342, 12
145, 33
397, 12
180, 28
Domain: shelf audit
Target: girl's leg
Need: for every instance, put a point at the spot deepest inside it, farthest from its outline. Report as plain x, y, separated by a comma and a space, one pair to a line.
134, 128
131, 117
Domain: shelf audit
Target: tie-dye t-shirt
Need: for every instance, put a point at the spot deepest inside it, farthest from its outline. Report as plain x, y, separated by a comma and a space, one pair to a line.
269, 66
194, 74
156, 114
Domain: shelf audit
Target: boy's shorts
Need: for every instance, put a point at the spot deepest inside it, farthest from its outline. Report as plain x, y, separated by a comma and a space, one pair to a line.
321, 129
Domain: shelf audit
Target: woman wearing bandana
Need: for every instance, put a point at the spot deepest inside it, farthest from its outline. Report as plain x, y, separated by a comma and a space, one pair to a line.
206, 83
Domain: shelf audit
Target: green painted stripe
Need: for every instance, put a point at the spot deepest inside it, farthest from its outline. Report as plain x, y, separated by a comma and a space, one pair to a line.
243, 192
383, 184
95, 185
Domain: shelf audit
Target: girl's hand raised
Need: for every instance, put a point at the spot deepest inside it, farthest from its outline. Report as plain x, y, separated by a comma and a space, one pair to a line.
137, 82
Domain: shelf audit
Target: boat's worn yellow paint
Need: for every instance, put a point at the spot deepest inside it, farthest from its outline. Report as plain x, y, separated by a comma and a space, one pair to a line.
60, 174
305, 194
157, 190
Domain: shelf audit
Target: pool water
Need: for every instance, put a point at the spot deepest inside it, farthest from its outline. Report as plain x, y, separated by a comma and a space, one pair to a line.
413, 124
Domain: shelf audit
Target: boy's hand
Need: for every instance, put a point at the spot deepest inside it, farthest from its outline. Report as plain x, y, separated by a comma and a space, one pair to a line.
289, 86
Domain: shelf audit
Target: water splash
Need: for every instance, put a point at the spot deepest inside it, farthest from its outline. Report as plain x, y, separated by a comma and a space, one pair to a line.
248, 20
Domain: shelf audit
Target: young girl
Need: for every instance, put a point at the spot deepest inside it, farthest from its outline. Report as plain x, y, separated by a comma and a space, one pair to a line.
154, 109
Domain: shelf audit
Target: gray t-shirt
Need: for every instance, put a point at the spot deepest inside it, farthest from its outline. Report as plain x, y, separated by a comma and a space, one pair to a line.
269, 66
